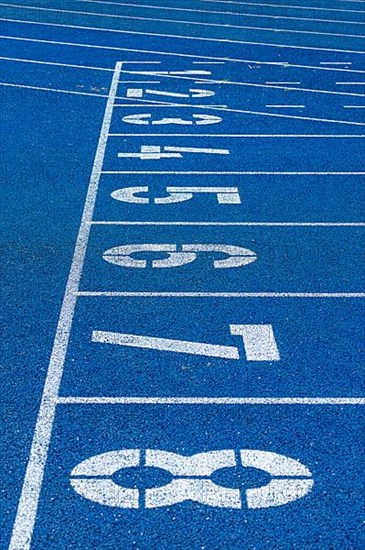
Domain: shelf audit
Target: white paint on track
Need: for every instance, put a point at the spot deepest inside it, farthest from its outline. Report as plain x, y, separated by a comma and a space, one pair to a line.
23, 528
28, 504
233, 224
273, 86
34, 61
269, 136
116, 294
167, 104
180, 37
183, 22
248, 173
281, 6
41, 89
165, 344
235, 13
156, 104
211, 400
279, 64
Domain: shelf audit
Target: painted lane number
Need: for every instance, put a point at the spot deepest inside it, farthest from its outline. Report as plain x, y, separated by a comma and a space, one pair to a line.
291, 480
122, 255
224, 195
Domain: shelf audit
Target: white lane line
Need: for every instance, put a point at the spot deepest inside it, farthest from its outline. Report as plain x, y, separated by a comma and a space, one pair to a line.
179, 54
211, 400
233, 224
354, 106
197, 150
116, 294
176, 172
351, 83
165, 344
42, 62
182, 22
40, 88
21, 60
56, 90
280, 6
285, 106
246, 84
181, 37
335, 63
281, 83
235, 13
139, 62
156, 103
28, 503
162, 104
324, 136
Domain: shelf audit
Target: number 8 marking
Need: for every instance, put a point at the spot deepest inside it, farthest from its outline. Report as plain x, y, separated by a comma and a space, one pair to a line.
191, 481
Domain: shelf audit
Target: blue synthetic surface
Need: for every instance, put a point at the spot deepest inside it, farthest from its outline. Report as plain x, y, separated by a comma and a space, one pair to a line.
48, 144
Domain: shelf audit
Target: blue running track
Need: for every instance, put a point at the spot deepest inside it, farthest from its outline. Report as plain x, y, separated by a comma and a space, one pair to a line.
183, 293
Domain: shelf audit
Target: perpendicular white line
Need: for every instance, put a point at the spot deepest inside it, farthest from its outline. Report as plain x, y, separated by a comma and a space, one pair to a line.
28, 503
181, 22
177, 54
181, 37
247, 173
120, 294
211, 400
269, 136
165, 344
235, 13
232, 224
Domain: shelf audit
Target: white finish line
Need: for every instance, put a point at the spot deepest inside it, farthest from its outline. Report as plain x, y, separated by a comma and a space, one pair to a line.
28, 503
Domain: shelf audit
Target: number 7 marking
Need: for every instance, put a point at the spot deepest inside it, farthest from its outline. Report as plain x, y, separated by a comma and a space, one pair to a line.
258, 340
